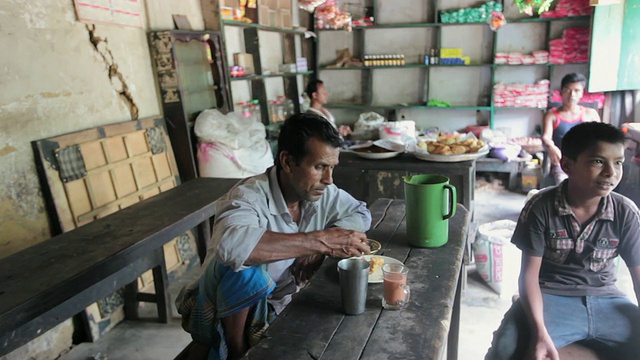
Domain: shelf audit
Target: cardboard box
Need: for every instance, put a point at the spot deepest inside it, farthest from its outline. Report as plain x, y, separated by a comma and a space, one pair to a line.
301, 64
229, 3
273, 17
287, 68
263, 16
283, 4
450, 52
285, 19
245, 60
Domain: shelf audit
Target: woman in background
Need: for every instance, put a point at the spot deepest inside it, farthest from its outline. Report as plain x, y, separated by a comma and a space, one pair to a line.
319, 96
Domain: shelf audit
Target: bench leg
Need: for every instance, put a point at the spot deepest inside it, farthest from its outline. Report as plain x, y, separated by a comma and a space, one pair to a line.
161, 284
161, 297
131, 301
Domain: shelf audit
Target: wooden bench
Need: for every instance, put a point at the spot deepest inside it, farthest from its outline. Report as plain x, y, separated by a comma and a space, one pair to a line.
51, 281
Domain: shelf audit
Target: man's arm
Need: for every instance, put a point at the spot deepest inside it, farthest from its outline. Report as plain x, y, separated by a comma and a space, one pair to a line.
336, 242
553, 151
542, 346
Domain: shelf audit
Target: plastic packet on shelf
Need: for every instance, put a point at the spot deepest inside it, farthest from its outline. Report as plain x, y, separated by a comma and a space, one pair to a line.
310, 5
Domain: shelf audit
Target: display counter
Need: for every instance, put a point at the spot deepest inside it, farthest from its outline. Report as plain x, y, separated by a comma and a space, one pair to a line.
369, 180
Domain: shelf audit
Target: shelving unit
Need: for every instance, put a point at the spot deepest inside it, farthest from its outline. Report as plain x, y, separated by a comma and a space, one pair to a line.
402, 92
192, 74
269, 47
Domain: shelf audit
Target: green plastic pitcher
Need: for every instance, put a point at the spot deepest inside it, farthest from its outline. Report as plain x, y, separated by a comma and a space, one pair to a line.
430, 202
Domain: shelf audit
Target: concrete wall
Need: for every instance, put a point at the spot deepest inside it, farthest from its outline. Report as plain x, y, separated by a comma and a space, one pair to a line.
55, 78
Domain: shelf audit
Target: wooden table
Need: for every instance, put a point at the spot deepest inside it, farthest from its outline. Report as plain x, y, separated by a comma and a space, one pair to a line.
313, 326
369, 180
51, 281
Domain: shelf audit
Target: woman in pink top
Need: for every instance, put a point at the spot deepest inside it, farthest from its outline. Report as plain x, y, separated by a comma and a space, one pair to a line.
559, 121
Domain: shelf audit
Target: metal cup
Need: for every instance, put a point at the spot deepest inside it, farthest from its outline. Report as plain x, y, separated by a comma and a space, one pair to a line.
354, 277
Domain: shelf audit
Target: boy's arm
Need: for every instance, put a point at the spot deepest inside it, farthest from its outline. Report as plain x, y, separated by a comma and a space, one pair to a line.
635, 277
531, 297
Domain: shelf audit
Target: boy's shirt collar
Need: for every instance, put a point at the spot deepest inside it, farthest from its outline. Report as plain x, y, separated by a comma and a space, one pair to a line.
604, 212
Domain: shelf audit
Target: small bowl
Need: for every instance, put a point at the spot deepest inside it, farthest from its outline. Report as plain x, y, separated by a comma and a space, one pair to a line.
374, 246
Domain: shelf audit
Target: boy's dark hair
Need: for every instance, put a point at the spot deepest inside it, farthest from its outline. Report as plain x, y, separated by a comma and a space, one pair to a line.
298, 129
573, 78
312, 87
583, 136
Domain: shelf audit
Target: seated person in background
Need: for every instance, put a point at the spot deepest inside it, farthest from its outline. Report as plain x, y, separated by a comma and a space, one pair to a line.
570, 235
319, 96
558, 121
270, 235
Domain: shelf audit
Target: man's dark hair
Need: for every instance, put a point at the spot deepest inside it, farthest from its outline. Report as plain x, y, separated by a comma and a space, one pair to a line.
585, 135
312, 87
573, 78
298, 129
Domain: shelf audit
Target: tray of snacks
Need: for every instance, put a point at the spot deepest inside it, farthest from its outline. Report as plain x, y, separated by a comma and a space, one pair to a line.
379, 149
450, 148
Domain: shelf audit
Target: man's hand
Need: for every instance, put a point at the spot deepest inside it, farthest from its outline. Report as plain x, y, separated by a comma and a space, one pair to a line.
542, 348
343, 243
305, 267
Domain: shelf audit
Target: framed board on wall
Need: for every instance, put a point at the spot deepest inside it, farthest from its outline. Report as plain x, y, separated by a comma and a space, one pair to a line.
615, 54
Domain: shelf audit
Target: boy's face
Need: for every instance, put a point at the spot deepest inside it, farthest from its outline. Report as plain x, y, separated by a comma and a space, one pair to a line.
572, 93
597, 170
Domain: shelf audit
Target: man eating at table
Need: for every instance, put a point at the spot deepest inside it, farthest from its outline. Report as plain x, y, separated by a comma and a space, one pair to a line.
270, 235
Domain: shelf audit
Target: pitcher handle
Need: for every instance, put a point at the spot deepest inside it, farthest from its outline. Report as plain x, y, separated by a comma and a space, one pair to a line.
453, 200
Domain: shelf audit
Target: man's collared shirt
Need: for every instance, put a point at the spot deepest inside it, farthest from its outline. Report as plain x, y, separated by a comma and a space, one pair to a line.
256, 205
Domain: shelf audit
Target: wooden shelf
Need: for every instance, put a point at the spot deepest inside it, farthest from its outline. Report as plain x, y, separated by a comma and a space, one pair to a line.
258, 77
519, 108
529, 20
262, 27
545, 64
408, 106
408, 66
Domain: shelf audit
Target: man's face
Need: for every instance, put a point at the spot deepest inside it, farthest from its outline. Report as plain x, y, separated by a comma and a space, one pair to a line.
310, 179
572, 93
597, 171
322, 95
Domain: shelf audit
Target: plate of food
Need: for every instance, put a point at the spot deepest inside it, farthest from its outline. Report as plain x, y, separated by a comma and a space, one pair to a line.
377, 150
374, 246
450, 148
375, 266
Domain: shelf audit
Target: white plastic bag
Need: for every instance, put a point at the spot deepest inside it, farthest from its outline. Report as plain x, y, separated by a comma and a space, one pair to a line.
231, 146
366, 127
487, 251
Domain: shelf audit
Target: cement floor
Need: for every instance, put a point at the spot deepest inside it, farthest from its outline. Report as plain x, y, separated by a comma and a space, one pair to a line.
482, 307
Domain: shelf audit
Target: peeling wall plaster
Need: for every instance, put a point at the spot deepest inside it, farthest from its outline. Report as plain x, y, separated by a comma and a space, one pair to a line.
58, 76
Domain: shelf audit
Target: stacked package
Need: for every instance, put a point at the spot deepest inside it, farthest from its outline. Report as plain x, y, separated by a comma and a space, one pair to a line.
566, 8
573, 47
521, 95
598, 98
518, 58
479, 14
